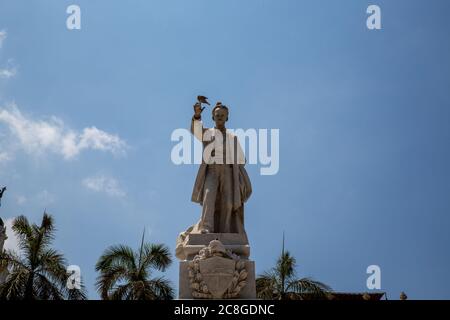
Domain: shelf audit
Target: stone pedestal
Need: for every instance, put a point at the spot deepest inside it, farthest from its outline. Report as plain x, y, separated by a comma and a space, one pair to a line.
223, 263
248, 292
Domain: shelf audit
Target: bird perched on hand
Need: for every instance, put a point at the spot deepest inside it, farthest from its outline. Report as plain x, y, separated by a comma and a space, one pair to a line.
203, 99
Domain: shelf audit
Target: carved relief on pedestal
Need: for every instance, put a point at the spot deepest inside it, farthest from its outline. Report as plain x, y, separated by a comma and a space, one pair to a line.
217, 273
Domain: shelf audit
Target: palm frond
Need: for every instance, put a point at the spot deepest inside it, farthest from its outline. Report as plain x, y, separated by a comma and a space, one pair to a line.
122, 292
46, 230
156, 256
267, 286
117, 255
14, 286
10, 259
286, 265
77, 294
160, 288
46, 290
308, 286
24, 232
281, 282
52, 259
125, 274
109, 278
39, 272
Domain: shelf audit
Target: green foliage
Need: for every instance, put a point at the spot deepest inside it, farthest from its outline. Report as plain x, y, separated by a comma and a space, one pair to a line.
281, 283
36, 272
126, 275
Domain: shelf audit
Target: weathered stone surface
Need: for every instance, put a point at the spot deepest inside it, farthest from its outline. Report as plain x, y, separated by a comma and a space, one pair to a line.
191, 251
217, 273
234, 242
247, 292
225, 238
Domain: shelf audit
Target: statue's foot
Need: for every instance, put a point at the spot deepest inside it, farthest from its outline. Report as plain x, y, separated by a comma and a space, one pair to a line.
204, 231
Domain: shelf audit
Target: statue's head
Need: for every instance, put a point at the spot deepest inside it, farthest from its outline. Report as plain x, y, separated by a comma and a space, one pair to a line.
220, 114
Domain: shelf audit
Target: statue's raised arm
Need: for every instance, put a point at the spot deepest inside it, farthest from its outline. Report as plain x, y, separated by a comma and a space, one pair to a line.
196, 123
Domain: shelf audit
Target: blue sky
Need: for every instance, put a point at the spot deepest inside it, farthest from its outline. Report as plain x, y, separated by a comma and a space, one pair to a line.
86, 118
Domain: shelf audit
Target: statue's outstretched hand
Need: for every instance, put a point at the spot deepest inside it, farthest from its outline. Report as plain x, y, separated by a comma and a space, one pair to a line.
198, 109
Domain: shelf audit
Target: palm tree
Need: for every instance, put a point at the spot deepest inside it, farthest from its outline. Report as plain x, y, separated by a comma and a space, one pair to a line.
126, 274
281, 283
37, 271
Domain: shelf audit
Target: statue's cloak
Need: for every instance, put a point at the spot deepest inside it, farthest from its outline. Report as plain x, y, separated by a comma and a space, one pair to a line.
242, 188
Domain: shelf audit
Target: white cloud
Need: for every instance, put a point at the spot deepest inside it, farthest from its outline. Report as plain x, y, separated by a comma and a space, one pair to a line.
3, 35
102, 183
12, 243
10, 71
52, 135
7, 73
4, 156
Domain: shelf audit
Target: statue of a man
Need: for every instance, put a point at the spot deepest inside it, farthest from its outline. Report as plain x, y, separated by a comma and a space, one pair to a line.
222, 184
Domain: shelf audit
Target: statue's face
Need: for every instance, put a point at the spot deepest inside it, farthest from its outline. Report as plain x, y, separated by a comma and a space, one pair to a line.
220, 116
